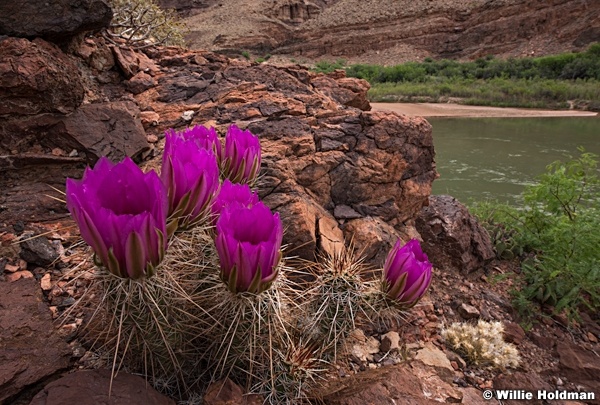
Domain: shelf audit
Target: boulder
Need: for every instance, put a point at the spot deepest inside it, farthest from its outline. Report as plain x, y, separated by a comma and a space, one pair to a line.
111, 129
374, 237
53, 19
36, 249
452, 236
579, 365
37, 77
520, 381
92, 387
30, 349
395, 385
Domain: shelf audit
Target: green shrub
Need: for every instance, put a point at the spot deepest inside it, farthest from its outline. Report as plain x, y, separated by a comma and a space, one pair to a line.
246, 54
324, 66
142, 23
558, 229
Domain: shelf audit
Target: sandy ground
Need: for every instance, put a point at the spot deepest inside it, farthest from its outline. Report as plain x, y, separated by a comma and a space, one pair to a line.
458, 110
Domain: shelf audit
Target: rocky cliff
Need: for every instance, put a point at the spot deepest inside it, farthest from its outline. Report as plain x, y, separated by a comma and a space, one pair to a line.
384, 31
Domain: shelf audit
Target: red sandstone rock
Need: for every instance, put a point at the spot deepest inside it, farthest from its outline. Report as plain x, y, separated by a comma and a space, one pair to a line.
37, 77
91, 387
452, 237
30, 350
387, 385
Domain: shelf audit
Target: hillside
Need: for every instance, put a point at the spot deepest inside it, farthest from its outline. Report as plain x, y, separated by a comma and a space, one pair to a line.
386, 31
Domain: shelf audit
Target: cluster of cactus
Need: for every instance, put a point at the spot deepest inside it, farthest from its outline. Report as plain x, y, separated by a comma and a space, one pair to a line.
191, 279
482, 344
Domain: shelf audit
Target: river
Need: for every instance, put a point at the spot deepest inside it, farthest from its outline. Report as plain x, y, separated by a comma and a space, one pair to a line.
495, 158
482, 158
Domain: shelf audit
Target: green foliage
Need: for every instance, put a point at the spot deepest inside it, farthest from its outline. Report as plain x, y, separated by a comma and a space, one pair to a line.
501, 92
142, 23
324, 66
559, 230
246, 54
544, 82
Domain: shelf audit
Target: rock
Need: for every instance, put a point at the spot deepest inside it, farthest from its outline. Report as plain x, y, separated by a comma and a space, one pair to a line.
149, 119
330, 237
390, 341
521, 381
226, 392
473, 396
91, 387
30, 350
452, 237
345, 212
300, 217
383, 174
543, 341
111, 129
36, 77
10, 268
434, 357
38, 250
513, 333
131, 62
363, 353
140, 82
435, 388
393, 385
346, 91
375, 237
97, 54
55, 19
453, 357
468, 311
17, 275
46, 282
579, 365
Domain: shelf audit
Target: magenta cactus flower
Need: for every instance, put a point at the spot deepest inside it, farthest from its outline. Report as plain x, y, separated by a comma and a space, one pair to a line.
407, 274
231, 194
121, 213
248, 242
240, 160
191, 175
206, 138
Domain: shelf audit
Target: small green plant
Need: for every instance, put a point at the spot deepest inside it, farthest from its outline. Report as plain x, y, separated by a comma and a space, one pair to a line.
558, 229
482, 344
142, 23
246, 55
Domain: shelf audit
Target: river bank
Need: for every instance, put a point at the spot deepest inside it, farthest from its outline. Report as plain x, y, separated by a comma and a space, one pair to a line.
458, 110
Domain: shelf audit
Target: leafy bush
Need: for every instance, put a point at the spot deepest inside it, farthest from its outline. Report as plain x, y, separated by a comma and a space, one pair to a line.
142, 23
544, 82
324, 66
559, 230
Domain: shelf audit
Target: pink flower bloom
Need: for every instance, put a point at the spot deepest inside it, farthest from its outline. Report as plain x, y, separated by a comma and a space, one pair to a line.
232, 194
191, 175
121, 213
240, 160
407, 273
248, 242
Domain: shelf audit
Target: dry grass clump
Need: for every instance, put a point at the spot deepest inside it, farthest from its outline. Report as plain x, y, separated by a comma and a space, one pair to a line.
482, 344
